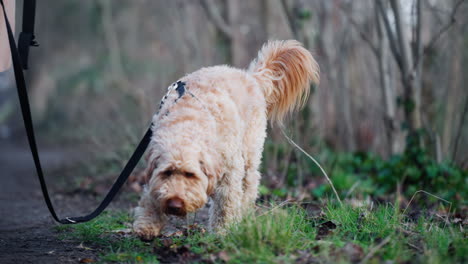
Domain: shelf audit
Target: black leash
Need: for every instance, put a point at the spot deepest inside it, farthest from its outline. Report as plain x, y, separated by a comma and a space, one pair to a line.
28, 37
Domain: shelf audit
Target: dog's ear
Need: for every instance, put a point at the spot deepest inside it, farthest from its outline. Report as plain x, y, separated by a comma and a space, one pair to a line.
210, 173
150, 153
152, 164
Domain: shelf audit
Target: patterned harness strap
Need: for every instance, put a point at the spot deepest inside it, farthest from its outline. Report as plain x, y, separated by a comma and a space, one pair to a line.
181, 89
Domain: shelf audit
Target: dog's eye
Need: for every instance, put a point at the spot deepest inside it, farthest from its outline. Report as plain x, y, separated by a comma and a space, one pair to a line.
167, 173
190, 175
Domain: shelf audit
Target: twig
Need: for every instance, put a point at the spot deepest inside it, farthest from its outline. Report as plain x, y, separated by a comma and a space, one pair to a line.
418, 52
460, 128
276, 207
415, 247
375, 249
290, 18
315, 161
406, 232
284, 172
391, 37
362, 34
433, 195
444, 28
437, 36
356, 184
110, 36
213, 14
438, 148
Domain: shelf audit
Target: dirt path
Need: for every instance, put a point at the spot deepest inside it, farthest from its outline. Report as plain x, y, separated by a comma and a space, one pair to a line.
26, 228
27, 232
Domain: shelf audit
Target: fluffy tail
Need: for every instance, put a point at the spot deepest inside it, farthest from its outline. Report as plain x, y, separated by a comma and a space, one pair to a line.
285, 70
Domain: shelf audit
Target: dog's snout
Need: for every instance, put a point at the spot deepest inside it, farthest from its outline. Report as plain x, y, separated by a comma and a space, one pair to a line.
175, 203
175, 206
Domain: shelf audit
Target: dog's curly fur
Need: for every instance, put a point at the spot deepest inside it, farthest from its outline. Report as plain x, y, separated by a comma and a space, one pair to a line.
208, 143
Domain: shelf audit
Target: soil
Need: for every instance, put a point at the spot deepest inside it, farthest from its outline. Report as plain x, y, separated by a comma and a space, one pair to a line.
27, 232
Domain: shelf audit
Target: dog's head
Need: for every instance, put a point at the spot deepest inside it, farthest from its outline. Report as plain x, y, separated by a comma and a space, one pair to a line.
179, 184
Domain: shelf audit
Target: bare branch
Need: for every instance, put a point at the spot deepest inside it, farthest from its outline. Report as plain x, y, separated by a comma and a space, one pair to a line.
460, 128
362, 34
214, 15
452, 21
405, 52
419, 52
391, 36
290, 17
374, 250
437, 36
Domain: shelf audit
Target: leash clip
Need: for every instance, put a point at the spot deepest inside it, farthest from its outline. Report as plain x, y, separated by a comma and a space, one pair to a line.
70, 220
34, 42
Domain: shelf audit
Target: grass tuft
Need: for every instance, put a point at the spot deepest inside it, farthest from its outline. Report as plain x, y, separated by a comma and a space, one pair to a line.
103, 233
277, 233
286, 234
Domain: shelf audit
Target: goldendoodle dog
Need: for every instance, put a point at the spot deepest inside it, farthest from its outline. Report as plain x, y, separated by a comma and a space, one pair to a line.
209, 132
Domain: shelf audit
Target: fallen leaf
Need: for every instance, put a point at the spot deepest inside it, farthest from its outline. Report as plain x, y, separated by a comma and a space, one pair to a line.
224, 256
167, 242
177, 234
123, 231
83, 247
173, 246
304, 257
324, 229
329, 225
354, 252
316, 249
87, 260
195, 227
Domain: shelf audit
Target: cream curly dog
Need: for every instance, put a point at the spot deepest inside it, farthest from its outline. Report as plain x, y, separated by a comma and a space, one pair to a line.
209, 132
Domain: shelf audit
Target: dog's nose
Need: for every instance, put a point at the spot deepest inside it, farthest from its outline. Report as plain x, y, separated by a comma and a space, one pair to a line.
175, 206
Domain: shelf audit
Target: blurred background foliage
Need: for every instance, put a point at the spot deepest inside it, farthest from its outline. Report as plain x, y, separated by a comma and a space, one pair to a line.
388, 117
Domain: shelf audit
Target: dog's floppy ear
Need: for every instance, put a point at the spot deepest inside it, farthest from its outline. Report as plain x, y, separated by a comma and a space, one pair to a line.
210, 173
152, 164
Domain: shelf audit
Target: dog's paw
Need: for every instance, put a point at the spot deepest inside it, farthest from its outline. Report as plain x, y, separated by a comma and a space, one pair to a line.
146, 232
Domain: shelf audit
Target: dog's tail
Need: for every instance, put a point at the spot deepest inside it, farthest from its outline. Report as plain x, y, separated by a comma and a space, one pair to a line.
285, 70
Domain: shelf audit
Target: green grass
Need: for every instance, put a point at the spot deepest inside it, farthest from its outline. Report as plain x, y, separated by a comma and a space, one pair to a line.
426, 241
103, 234
273, 235
287, 234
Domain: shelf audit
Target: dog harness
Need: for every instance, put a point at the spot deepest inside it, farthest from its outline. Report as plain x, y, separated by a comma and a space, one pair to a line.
181, 89
178, 86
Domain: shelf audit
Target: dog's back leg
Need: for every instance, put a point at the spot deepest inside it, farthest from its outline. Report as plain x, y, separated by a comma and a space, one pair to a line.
227, 198
250, 184
254, 139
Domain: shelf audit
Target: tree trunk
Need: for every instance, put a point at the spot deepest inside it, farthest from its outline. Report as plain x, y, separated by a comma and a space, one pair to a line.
410, 77
453, 94
239, 54
344, 99
388, 91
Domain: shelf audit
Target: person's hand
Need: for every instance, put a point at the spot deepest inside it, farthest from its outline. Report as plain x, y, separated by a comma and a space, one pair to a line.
5, 55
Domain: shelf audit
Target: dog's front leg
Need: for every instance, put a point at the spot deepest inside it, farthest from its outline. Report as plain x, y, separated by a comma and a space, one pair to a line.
227, 202
149, 220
